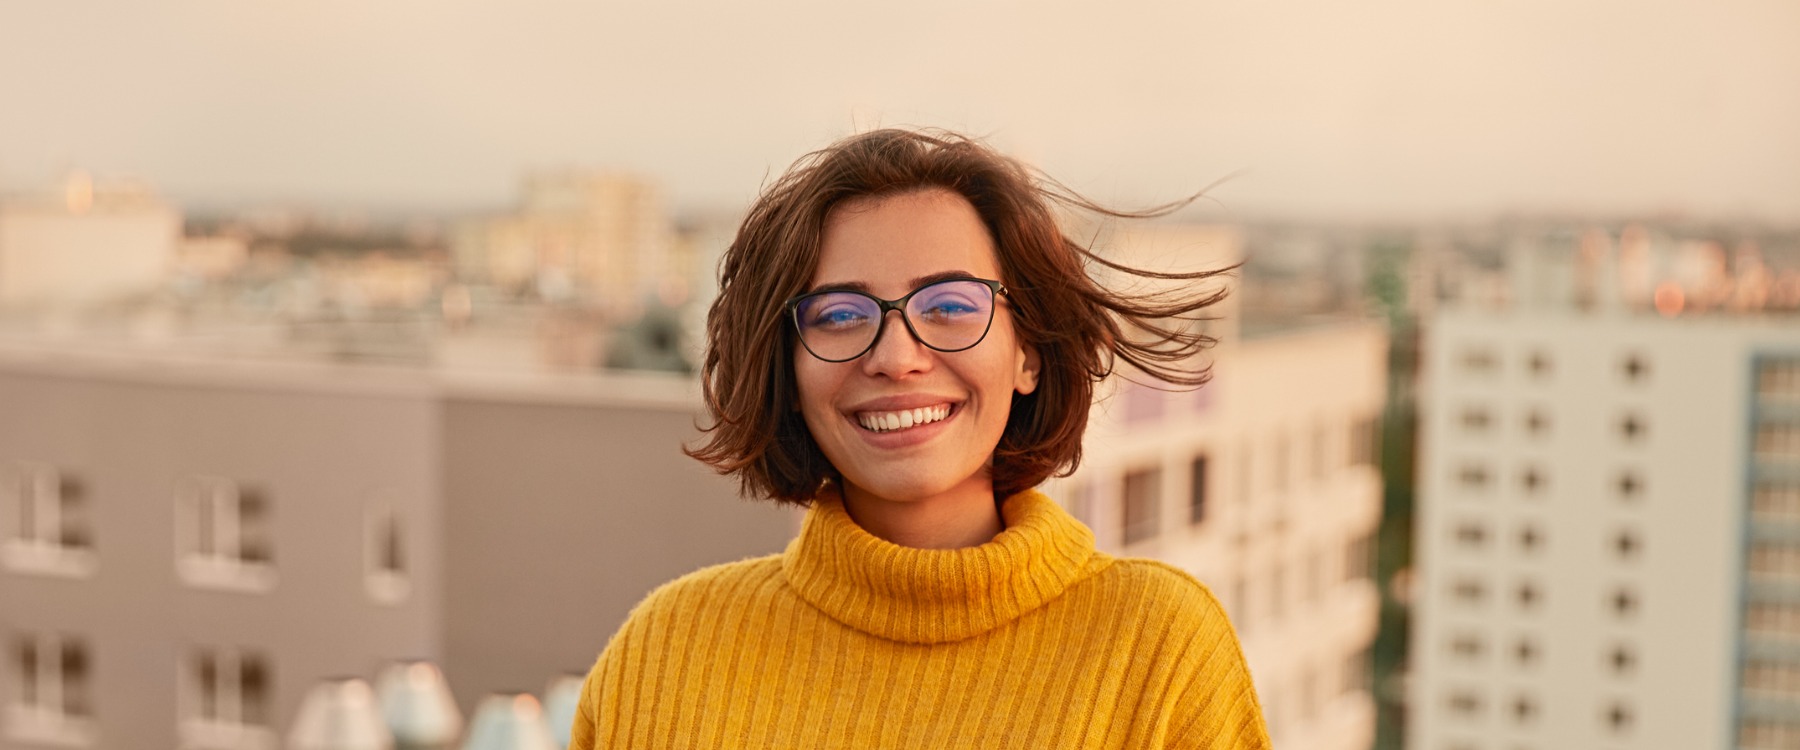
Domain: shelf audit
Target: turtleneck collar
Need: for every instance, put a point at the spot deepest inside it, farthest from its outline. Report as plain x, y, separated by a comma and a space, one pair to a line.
935, 595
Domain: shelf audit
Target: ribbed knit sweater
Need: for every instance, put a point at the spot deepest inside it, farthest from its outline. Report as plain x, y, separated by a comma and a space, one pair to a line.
1032, 640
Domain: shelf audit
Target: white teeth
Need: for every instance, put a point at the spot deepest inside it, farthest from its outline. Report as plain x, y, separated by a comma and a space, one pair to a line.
900, 420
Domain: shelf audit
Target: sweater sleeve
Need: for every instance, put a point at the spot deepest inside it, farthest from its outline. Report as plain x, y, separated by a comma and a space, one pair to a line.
1219, 709
587, 731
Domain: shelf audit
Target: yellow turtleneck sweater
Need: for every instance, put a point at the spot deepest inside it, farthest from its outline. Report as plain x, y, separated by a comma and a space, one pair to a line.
1032, 640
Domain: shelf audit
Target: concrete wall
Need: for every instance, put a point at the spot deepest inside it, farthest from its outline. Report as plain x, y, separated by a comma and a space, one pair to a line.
563, 512
318, 454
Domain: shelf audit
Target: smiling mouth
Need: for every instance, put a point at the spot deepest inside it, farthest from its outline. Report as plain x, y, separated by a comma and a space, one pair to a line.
904, 419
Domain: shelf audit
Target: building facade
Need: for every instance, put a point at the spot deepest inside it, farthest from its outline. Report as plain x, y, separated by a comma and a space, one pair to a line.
1608, 535
1262, 485
187, 547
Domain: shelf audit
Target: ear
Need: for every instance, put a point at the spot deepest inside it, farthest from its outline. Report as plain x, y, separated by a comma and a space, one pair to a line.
1025, 374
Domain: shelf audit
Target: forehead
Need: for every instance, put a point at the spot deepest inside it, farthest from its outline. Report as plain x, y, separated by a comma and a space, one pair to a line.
887, 242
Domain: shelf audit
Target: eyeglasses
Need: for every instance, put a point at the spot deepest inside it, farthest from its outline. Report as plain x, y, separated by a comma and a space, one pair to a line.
948, 316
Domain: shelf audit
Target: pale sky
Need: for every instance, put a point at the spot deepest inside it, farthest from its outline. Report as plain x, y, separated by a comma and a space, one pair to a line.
1396, 109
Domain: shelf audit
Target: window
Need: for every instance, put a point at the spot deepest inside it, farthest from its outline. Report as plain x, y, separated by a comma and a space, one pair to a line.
1626, 545
47, 522
1197, 489
1777, 441
1524, 709
1537, 422
1472, 477
1468, 591
1463, 703
1618, 717
1081, 500
1528, 595
1635, 368
384, 555
1774, 560
1525, 652
1773, 619
1476, 360
51, 690
1776, 502
1632, 427
1365, 434
1470, 535
1354, 677
1540, 365
1466, 647
1142, 488
1630, 486
1530, 539
1475, 420
1532, 481
225, 700
223, 538
1768, 734
1778, 380
1624, 602
1358, 557
1622, 659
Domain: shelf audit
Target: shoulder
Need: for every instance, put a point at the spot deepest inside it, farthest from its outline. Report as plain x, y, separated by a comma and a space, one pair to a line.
1165, 594
709, 587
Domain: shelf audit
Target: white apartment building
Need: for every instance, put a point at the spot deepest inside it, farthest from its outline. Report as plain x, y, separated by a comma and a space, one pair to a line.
1608, 531
1263, 485
86, 244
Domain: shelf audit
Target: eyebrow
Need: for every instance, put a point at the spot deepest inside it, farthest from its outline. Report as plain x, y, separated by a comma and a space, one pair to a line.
858, 286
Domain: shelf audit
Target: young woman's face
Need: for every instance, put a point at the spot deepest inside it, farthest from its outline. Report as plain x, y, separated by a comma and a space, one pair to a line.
888, 247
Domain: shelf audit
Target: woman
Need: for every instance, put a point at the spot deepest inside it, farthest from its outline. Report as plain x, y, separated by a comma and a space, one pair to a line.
906, 343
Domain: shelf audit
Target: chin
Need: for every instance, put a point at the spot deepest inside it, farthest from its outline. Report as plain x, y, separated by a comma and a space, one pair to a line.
905, 489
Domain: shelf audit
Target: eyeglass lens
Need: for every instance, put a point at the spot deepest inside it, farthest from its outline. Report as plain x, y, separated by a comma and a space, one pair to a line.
947, 316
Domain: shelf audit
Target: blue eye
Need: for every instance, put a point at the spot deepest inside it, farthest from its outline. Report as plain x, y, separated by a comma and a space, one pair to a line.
948, 307
837, 317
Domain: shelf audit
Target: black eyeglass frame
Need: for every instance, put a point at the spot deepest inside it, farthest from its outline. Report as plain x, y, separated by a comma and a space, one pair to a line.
885, 305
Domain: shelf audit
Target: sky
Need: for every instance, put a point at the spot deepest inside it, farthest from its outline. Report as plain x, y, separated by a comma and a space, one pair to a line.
1382, 109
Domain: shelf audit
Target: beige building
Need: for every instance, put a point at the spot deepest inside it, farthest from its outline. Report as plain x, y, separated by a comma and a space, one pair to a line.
596, 237
89, 243
1263, 486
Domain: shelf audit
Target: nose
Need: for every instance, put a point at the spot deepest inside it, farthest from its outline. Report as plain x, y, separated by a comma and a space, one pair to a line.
896, 352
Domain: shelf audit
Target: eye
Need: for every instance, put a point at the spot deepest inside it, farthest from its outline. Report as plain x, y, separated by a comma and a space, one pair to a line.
944, 308
837, 316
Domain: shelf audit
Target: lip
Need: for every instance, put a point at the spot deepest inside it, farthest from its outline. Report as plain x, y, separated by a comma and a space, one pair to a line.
902, 402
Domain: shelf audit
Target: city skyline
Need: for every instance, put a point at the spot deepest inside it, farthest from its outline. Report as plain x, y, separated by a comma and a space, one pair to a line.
1405, 110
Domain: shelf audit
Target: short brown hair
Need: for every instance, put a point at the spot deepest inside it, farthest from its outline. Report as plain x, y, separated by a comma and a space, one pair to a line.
1079, 327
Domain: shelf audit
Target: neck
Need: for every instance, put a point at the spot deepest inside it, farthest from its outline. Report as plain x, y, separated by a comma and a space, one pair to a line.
966, 516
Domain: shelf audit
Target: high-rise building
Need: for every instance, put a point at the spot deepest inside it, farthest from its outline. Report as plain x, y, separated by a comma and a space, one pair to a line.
1608, 526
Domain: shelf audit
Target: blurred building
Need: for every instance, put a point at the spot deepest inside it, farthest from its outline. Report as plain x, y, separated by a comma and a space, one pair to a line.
1261, 484
1608, 527
597, 237
91, 242
187, 544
